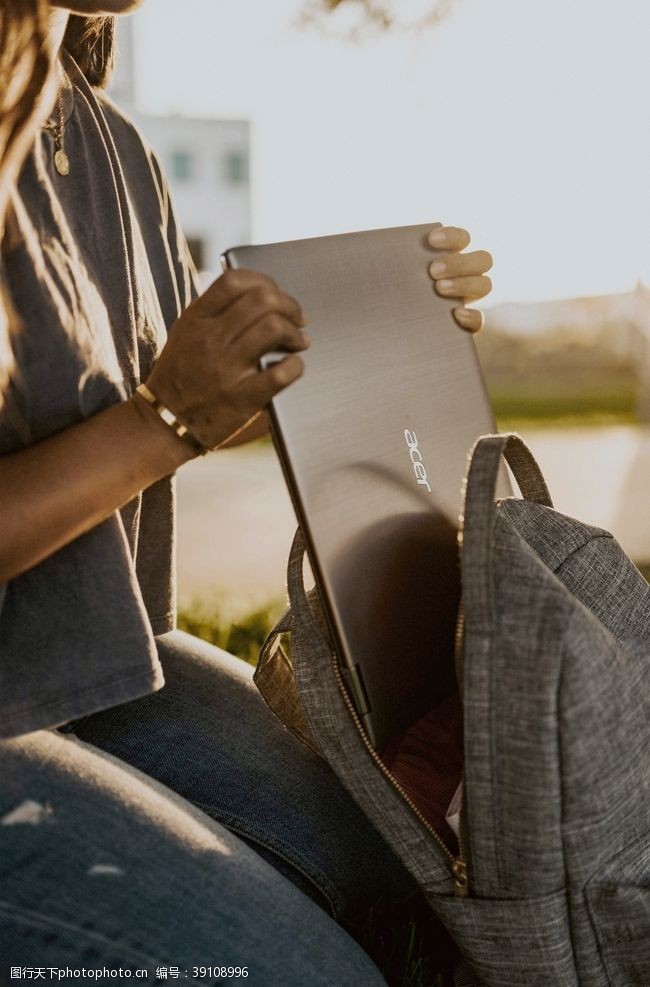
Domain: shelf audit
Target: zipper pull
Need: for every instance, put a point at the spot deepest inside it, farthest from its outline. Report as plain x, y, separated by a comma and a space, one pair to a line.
461, 882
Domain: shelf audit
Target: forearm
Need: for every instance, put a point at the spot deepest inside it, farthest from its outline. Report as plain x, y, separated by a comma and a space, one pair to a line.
57, 489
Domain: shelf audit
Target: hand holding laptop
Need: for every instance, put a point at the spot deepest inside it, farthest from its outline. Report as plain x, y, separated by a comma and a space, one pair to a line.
208, 372
460, 275
457, 274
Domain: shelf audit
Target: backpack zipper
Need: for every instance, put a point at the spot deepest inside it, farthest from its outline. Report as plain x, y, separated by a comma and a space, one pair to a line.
458, 864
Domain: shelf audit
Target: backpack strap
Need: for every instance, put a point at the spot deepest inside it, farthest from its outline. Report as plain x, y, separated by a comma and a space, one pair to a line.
274, 675
479, 511
295, 580
305, 605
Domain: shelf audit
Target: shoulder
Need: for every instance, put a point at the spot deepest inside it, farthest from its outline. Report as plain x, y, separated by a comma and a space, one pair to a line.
150, 195
122, 126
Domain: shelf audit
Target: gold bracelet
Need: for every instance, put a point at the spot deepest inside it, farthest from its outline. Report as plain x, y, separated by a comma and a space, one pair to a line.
170, 419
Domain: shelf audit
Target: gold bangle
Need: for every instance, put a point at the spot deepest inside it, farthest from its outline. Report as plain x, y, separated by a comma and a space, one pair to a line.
170, 419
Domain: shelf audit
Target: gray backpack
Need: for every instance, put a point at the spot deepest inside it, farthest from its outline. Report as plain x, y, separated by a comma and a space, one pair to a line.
551, 883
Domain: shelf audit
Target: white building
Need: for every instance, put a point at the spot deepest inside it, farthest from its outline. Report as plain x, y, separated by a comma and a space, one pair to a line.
207, 162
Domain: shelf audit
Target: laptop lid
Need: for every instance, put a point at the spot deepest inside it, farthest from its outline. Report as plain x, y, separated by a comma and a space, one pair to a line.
373, 441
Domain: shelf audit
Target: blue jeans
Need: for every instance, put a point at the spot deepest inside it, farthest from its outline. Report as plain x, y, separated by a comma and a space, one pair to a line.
137, 853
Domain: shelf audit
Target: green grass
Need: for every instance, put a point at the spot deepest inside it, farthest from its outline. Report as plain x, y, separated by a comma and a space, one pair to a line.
237, 630
561, 378
518, 409
508, 422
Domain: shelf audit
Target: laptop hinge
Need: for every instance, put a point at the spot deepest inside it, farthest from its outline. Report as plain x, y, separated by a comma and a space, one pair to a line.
354, 681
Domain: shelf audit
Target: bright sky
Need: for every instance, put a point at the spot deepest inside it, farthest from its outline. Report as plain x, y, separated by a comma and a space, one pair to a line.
526, 121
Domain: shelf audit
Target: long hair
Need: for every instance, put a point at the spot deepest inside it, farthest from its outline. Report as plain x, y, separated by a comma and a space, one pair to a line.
26, 84
27, 93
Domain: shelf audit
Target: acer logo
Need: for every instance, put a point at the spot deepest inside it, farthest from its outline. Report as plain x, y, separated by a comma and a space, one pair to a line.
416, 458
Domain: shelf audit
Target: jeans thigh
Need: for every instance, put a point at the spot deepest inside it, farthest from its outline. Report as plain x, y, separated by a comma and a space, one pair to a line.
209, 736
101, 868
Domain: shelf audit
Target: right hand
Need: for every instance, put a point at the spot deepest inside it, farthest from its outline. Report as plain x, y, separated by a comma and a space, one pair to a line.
208, 371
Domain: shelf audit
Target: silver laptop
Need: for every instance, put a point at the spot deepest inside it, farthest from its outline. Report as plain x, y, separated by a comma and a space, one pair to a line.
373, 441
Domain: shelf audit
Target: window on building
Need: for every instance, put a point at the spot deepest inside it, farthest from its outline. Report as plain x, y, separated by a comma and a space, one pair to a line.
197, 250
181, 166
236, 167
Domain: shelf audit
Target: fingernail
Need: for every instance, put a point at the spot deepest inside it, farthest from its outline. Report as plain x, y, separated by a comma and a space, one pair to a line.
437, 238
305, 338
445, 285
467, 319
437, 268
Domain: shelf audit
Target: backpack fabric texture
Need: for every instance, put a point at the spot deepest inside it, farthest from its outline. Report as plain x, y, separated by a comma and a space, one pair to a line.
550, 881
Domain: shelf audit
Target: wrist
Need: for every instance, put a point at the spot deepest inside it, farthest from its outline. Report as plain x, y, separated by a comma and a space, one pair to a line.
170, 419
162, 441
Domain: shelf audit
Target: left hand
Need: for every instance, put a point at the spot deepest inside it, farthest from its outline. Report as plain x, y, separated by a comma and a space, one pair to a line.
460, 275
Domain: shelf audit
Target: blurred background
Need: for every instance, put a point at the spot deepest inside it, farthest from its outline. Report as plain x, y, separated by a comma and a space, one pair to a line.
527, 123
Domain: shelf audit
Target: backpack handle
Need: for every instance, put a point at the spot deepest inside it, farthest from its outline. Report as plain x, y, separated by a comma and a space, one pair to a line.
478, 515
304, 605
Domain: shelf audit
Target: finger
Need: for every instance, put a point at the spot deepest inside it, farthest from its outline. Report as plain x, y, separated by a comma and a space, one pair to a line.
469, 289
273, 332
470, 319
255, 304
461, 265
229, 287
257, 390
449, 238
